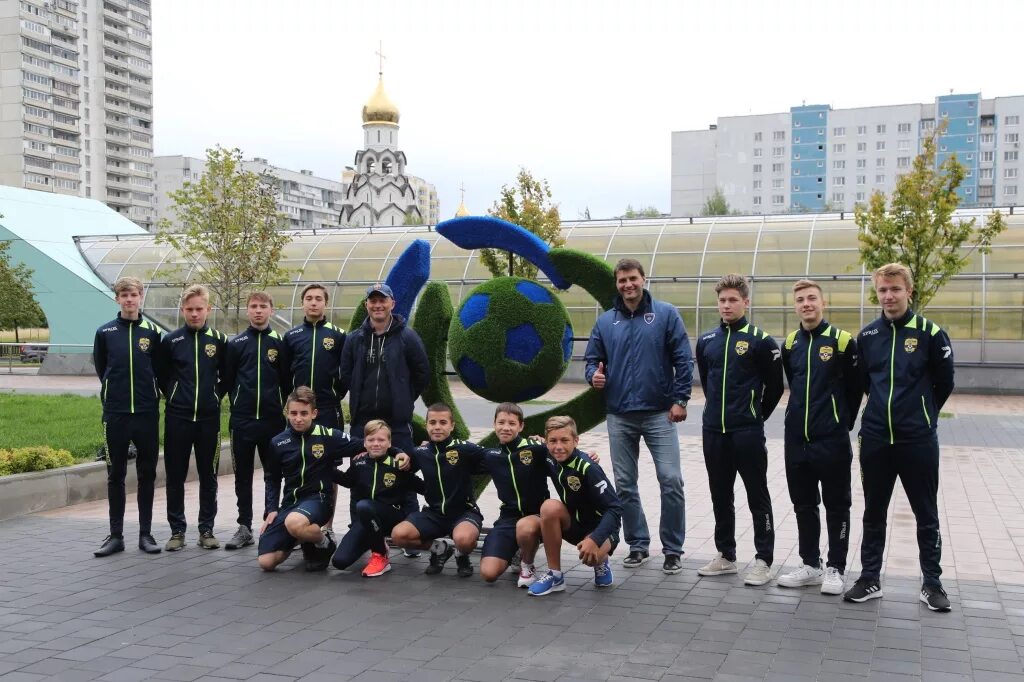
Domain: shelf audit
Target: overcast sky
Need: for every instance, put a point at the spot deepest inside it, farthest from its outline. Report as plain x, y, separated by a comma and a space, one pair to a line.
585, 94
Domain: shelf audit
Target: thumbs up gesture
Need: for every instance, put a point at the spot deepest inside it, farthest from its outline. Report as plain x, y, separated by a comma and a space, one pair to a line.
599, 379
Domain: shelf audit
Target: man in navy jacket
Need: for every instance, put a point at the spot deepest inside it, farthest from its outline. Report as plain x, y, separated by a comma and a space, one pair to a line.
639, 355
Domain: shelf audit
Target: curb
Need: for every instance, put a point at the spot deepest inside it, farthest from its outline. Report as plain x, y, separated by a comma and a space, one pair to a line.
38, 491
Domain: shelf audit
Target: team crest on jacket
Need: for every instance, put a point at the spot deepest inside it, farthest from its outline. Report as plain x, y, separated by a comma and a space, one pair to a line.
825, 353
328, 343
452, 456
144, 345
910, 345
318, 450
526, 457
573, 482
389, 479
211, 350
649, 318
742, 347
272, 355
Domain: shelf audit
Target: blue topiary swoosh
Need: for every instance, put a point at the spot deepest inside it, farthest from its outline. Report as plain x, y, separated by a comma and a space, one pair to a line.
408, 275
486, 232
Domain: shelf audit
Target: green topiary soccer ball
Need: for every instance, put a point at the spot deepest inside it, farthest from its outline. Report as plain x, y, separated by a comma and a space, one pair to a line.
511, 340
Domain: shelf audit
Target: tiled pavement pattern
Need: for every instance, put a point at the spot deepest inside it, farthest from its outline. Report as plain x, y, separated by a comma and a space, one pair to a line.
215, 616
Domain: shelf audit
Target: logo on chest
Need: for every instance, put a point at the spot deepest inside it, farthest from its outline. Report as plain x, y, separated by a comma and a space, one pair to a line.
328, 343
211, 349
452, 456
910, 345
742, 347
144, 345
825, 353
649, 318
389, 479
573, 482
318, 450
526, 457
272, 355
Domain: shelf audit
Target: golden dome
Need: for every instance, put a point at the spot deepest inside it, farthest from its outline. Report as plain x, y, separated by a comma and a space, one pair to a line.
379, 108
462, 211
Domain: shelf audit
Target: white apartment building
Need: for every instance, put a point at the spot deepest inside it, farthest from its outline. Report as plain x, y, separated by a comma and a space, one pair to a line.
815, 158
76, 100
308, 201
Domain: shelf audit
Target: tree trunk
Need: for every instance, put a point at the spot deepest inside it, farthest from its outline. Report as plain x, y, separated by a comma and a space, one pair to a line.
16, 339
511, 265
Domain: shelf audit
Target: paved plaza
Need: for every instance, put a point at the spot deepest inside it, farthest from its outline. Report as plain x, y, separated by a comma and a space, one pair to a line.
212, 615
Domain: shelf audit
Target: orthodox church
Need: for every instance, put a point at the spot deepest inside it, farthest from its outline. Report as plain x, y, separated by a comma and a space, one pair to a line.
378, 191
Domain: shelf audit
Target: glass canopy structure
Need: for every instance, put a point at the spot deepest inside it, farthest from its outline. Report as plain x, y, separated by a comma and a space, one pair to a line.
983, 308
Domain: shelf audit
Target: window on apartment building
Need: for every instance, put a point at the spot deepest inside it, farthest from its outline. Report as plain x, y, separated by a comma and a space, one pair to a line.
757, 168
860, 196
880, 129
778, 152
1009, 173
779, 135
903, 128
839, 148
862, 179
985, 174
796, 156
927, 124
879, 163
778, 199
839, 131
970, 139
757, 201
903, 162
1012, 120
757, 137
1010, 190
821, 180
838, 197
987, 138
1011, 156
862, 163
903, 146
880, 146
838, 165
796, 188
862, 130
757, 152
777, 167
862, 147
821, 131
1012, 137
757, 185
840, 180
796, 140
880, 179
988, 157
777, 183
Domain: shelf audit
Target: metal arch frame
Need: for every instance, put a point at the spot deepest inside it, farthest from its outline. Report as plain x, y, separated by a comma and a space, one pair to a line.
753, 263
810, 245
657, 245
700, 275
295, 288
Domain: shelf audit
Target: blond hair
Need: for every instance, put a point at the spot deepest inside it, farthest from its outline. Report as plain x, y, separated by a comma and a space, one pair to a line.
733, 281
195, 290
555, 423
802, 284
127, 284
893, 270
375, 425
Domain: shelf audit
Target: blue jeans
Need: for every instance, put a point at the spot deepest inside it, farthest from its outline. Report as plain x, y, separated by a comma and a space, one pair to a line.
624, 432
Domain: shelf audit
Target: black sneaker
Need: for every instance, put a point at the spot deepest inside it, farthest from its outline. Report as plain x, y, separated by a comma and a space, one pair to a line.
935, 598
635, 559
112, 544
438, 559
148, 545
464, 568
320, 557
672, 564
863, 590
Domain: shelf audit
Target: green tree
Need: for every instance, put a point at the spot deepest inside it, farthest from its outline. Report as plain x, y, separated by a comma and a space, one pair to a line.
18, 307
716, 204
527, 204
917, 228
229, 231
649, 212
413, 219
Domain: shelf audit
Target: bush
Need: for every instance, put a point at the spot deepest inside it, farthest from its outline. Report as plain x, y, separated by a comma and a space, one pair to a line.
36, 458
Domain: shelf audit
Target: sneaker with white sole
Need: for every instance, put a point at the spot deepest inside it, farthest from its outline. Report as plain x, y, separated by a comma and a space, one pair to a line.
863, 590
759, 574
802, 577
603, 575
717, 566
833, 582
546, 585
527, 575
935, 598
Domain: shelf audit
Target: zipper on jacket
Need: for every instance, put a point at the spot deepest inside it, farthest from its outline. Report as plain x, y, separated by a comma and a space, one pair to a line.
807, 394
835, 412
440, 481
515, 486
373, 488
925, 408
259, 367
195, 408
173, 391
752, 410
106, 389
131, 369
312, 359
725, 370
302, 471
892, 363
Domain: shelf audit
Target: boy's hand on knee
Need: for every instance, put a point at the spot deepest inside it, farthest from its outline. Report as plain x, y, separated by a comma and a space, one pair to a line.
267, 521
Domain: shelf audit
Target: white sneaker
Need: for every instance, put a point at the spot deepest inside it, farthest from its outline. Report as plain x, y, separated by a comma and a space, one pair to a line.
801, 577
759, 574
833, 582
526, 575
717, 566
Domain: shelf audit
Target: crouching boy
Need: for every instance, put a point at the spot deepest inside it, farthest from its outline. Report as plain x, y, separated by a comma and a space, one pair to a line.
585, 510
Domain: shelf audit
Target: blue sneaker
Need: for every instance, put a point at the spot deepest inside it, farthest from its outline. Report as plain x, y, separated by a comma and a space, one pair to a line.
546, 585
603, 575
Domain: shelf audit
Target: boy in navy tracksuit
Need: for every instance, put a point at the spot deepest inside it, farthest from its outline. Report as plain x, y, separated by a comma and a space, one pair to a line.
304, 457
820, 362
448, 465
381, 487
315, 350
125, 352
258, 374
906, 364
194, 364
585, 512
741, 372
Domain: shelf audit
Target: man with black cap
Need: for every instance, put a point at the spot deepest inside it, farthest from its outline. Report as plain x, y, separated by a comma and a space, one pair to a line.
384, 369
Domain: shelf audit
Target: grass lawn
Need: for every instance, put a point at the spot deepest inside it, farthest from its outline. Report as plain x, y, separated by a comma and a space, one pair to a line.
67, 422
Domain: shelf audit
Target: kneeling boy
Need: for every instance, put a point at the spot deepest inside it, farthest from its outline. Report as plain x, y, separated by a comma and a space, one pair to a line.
587, 512
304, 455
448, 465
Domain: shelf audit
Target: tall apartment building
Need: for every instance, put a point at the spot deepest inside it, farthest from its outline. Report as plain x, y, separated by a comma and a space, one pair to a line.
76, 100
308, 201
815, 158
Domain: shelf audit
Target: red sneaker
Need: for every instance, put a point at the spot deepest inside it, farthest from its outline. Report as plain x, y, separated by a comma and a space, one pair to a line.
379, 564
